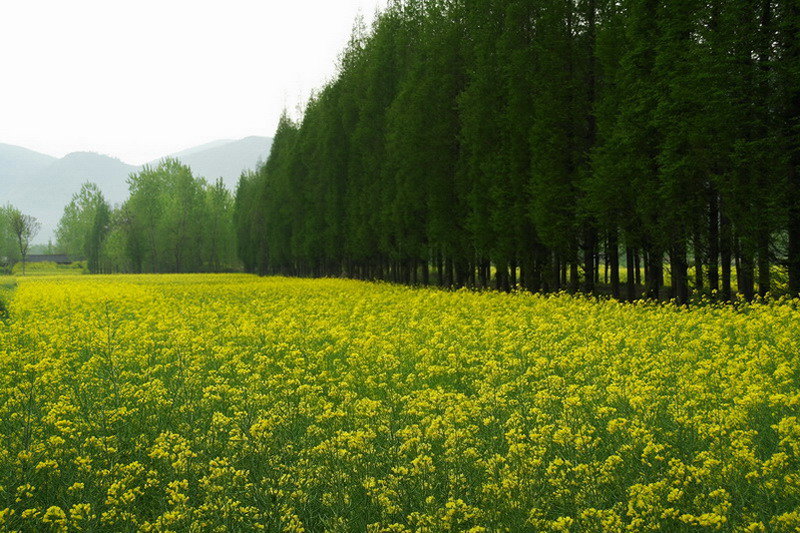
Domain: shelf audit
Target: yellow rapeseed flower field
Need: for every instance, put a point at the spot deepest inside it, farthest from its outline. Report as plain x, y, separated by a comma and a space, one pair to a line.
236, 403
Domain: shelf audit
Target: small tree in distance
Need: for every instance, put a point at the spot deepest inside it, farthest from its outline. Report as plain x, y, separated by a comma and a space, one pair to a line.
25, 228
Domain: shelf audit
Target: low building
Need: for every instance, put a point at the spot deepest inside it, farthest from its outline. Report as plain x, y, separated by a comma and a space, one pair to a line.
60, 259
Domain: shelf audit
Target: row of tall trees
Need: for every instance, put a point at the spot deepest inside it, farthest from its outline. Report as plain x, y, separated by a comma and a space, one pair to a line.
172, 221
546, 144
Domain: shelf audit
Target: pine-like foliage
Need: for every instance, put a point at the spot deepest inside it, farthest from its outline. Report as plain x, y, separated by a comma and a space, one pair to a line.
638, 147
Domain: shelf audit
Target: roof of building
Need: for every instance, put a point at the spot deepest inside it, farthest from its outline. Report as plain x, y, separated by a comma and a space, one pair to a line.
48, 258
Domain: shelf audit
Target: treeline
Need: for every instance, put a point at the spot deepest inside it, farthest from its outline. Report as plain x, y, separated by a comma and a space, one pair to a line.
172, 221
548, 145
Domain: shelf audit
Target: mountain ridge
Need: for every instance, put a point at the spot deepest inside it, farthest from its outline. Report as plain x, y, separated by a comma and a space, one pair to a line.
42, 185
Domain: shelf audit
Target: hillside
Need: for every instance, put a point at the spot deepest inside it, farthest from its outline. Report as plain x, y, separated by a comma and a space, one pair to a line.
225, 159
17, 164
41, 185
45, 192
201, 147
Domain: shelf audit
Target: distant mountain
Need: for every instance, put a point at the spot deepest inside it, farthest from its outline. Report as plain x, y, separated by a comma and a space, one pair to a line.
17, 164
41, 185
225, 159
200, 148
45, 192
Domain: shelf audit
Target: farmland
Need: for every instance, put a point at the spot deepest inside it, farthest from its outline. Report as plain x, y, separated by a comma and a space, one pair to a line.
237, 403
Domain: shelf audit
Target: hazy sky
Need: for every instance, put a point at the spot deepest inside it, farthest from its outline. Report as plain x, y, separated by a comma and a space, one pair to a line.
138, 79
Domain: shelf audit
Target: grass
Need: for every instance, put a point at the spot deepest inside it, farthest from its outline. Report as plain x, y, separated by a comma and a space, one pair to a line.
47, 268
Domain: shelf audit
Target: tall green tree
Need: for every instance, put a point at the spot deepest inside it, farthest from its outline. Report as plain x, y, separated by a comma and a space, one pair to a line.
9, 251
84, 225
173, 221
24, 228
788, 74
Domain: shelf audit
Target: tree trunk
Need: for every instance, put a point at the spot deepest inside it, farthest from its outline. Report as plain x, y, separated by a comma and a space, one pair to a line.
573, 270
725, 252
793, 226
597, 264
473, 273
555, 284
631, 278
590, 243
713, 240
698, 260
680, 282
612, 262
746, 272
763, 263
654, 273
501, 275
448, 269
513, 271
792, 123
461, 272
590, 232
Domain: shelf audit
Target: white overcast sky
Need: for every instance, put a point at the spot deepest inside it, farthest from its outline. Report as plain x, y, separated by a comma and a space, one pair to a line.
138, 79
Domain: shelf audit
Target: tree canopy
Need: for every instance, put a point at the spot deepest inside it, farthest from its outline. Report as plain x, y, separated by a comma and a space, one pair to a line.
172, 221
546, 145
